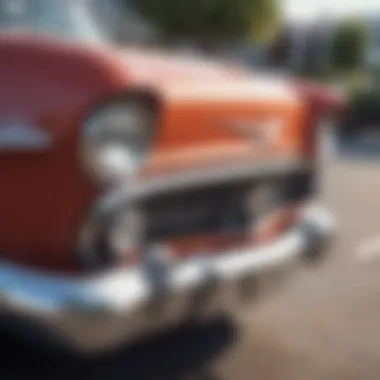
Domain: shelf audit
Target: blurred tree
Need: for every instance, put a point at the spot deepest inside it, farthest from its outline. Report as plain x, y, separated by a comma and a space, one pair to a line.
205, 21
349, 45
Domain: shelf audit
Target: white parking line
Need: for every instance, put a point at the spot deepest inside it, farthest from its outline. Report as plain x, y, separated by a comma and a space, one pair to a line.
369, 249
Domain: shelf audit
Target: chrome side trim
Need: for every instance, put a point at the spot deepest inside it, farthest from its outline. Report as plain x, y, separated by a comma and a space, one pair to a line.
22, 137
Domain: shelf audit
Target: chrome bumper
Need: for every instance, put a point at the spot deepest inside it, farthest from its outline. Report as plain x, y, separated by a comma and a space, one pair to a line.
98, 313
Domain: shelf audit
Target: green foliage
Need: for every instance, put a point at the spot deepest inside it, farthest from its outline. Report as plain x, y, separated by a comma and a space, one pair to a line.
210, 19
349, 45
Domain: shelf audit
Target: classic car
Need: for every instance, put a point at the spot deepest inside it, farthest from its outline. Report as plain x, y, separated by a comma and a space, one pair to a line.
141, 188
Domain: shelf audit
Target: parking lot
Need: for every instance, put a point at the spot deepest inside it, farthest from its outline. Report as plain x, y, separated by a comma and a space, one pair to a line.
324, 325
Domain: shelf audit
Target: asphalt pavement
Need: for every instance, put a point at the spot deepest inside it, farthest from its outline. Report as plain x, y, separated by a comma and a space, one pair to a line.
325, 324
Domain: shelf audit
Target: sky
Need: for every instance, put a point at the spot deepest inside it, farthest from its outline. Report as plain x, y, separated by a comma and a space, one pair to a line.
305, 10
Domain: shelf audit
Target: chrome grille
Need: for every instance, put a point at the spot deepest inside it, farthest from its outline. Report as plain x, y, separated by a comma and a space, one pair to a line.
216, 209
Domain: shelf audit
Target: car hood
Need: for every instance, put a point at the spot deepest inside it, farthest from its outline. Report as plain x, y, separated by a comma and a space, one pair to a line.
162, 65
193, 76
203, 101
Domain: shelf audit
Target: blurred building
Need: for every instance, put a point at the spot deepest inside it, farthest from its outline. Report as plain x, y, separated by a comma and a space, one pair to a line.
305, 15
373, 59
301, 45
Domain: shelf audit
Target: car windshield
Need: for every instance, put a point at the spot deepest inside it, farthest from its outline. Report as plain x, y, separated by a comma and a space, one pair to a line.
64, 18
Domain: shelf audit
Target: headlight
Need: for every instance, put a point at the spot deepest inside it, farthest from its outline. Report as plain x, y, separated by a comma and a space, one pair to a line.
116, 140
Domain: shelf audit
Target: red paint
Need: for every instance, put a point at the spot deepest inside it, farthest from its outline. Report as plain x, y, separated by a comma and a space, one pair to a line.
55, 85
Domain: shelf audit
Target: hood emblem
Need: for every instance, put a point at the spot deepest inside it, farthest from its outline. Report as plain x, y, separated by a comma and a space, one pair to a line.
17, 136
260, 132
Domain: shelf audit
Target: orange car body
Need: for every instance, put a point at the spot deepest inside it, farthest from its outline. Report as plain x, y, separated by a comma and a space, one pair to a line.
55, 86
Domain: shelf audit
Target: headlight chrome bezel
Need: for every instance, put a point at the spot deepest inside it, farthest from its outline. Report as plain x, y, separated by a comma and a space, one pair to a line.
116, 139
